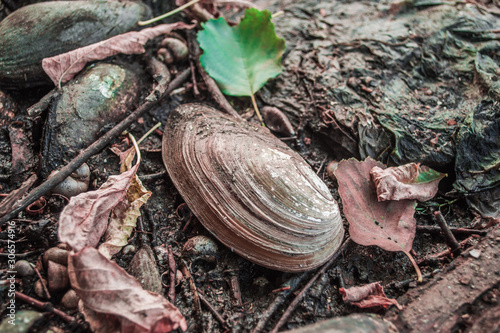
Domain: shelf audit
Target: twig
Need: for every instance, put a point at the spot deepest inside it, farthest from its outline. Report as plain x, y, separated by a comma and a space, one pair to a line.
194, 51
293, 283
170, 13
153, 176
456, 231
235, 287
213, 310
173, 272
36, 109
44, 306
448, 235
20, 255
44, 284
448, 251
196, 298
305, 289
93, 149
407, 282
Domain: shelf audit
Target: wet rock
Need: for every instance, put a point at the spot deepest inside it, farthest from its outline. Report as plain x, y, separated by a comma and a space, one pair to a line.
100, 96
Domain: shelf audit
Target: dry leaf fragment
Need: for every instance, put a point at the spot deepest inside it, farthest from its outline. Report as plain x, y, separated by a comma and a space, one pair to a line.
84, 220
64, 67
409, 181
368, 296
10, 201
106, 288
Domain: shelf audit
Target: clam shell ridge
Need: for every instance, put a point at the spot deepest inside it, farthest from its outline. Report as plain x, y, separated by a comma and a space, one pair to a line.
254, 193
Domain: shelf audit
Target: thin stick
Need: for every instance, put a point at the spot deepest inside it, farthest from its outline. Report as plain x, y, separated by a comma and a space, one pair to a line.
293, 283
148, 133
173, 272
170, 13
44, 306
153, 176
196, 298
36, 109
235, 287
456, 231
415, 266
448, 235
213, 310
44, 284
256, 108
93, 149
306, 288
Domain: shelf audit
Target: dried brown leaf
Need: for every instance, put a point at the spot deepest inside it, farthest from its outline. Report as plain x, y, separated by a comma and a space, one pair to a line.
106, 288
11, 200
409, 181
124, 218
368, 296
85, 219
387, 224
64, 67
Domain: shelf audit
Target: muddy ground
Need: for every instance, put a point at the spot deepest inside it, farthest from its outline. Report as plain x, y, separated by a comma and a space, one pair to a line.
394, 81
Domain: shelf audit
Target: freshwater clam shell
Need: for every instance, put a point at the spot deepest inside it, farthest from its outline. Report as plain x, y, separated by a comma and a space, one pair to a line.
250, 190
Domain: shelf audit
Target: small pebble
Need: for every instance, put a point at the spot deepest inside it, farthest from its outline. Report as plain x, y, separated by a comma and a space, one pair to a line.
475, 253
24, 268
70, 300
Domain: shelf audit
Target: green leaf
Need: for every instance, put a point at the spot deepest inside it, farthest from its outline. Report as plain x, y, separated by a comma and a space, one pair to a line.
427, 175
241, 58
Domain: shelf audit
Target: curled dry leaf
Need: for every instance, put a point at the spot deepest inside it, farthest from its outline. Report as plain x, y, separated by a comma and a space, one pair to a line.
124, 218
106, 288
64, 67
409, 181
84, 220
368, 296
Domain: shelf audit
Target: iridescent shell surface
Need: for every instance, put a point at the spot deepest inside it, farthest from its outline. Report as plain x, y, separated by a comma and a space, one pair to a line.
250, 190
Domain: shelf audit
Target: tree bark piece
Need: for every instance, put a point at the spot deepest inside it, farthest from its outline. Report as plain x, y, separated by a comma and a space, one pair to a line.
447, 303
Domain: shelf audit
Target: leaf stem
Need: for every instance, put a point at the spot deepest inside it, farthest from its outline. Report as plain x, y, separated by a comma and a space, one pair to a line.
279, 13
256, 108
148, 133
136, 147
414, 263
170, 13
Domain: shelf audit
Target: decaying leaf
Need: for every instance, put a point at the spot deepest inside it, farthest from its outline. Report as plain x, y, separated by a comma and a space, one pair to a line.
99, 323
9, 202
368, 296
409, 181
106, 288
64, 67
124, 216
84, 220
387, 224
